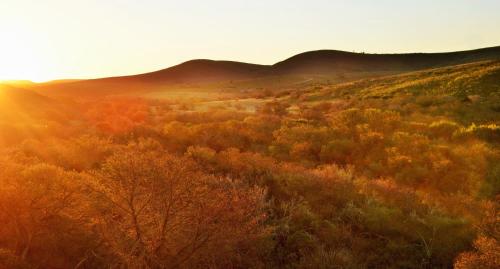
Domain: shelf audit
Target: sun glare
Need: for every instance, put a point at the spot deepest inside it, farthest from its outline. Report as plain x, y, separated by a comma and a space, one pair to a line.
24, 67
23, 55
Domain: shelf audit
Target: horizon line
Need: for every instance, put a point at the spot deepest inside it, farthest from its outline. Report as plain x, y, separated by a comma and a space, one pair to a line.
21, 80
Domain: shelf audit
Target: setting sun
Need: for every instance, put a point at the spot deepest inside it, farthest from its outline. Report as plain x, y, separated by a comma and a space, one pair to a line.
22, 55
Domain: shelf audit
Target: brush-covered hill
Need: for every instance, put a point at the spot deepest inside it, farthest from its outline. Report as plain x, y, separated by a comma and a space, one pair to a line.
316, 63
468, 93
331, 168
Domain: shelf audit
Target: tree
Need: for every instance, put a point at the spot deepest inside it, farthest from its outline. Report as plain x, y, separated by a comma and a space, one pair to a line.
41, 214
155, 210
486, 256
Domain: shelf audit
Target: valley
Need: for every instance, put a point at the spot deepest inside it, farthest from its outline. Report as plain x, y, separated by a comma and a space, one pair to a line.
326, 160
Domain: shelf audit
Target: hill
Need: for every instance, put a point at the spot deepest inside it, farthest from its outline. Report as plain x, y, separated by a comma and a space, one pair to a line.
14, 100
21, 106
316, 63
468, 93
191, 72
332, 61
327, 167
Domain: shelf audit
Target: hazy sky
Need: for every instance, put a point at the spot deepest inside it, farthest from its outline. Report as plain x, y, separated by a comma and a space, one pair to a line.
49, 39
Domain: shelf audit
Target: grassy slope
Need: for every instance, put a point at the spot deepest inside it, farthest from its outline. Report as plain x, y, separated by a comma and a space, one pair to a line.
469, 92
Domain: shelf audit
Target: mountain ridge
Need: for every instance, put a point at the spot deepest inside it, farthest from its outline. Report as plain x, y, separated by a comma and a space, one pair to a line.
319, 62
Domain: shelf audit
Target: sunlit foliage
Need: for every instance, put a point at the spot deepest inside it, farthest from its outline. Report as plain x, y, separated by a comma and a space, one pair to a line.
393, 172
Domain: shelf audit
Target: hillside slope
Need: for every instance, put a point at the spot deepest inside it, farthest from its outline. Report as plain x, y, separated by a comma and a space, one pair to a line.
22, 106
469, 92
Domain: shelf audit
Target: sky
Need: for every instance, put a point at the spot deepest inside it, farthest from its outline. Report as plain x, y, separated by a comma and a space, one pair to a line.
58, 39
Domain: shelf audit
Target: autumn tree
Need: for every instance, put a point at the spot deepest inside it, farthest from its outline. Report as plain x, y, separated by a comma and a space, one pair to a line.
43, 221
155, 210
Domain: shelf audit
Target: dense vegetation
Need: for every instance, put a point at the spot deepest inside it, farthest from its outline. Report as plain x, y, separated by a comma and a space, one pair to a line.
392, 172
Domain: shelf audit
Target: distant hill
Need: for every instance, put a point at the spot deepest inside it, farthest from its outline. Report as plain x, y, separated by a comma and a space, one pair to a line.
322, 62
203, 71
194, 72
332, 61
21, 105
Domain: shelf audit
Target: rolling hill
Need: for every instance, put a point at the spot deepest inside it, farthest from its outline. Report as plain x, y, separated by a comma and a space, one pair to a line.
14, 100
315, 63
21, 106
191, 72
468, 93
331, 61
